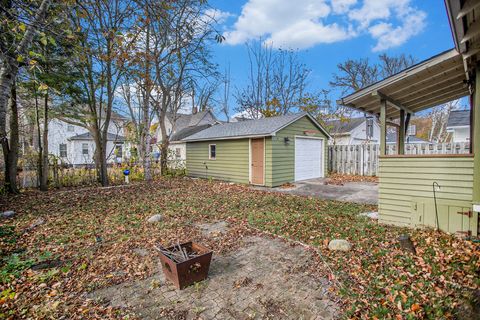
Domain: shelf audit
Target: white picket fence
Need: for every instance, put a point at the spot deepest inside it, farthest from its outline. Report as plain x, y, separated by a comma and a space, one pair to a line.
363, 159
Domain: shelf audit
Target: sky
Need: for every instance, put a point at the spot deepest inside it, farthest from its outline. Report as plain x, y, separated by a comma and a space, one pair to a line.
328, 32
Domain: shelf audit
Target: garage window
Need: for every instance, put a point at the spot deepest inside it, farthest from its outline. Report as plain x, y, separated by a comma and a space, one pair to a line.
212, 151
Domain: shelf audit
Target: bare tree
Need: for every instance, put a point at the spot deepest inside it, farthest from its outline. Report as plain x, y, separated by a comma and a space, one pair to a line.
180, 33
225, 97
12, 52
392, 65
101, 27
276, 81
439, 116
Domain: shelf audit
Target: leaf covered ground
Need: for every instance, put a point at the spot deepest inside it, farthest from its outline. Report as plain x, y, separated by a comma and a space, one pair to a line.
64, 244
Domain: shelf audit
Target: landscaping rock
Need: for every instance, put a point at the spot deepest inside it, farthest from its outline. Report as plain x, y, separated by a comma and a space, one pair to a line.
7, 214
339, 245
36, 223
372, 215
155, 218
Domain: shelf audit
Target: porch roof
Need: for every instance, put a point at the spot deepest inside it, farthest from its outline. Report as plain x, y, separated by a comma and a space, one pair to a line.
431, 82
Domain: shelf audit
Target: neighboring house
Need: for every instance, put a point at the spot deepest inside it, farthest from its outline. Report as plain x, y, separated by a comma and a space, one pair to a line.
459, 125
269, 151
392, 138
354, 131
74, 145
181, 126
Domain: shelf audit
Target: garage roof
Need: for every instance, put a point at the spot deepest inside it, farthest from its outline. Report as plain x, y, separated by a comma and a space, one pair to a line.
429, 83
251, 128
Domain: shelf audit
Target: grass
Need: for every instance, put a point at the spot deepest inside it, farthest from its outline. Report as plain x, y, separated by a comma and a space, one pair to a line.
378, 280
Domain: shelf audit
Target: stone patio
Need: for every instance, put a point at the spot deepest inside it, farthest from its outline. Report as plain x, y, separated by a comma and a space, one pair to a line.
264, 279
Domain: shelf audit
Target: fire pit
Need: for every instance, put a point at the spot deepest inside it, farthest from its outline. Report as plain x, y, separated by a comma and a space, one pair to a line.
186, 263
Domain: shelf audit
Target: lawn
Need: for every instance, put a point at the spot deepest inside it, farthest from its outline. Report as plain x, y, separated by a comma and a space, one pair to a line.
88, 238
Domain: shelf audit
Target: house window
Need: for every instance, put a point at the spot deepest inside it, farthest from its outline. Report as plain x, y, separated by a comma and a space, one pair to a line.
369, 128
212, 154
63, 150
70, 128
85, 149
412, 130
178, 153
118, 151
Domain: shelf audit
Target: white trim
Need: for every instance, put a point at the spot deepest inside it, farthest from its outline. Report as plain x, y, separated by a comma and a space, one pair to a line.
322, 160
210, 152
250, 161
319, 126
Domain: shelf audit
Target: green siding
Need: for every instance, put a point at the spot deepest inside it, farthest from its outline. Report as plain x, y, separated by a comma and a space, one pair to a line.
283, 155
231, 163
405, 186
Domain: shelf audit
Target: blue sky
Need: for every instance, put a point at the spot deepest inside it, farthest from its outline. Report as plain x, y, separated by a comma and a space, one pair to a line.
328, 32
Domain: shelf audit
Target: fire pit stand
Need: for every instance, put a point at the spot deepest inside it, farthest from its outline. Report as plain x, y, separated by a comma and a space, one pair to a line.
186, 263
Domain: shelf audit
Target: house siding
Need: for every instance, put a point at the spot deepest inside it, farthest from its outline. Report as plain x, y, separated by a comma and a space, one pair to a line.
231, 163
282, 156
406, 183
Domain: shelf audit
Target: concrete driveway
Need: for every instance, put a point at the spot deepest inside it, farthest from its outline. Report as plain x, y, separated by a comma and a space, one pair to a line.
359, 192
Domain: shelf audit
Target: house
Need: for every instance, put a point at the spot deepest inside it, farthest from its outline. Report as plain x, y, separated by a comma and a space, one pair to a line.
74, 145
269, 151
392, 138
459, 125
439, 191
354, 131
179, 126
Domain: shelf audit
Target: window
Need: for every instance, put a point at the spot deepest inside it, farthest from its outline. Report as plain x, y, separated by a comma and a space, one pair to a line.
412, 130
118, 151
63, 150
70, 128
212, 151
369, 128
85, 149
178, 153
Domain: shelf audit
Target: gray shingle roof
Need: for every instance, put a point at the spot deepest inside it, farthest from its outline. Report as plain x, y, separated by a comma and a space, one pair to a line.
88, 136
188, 120
188, 131
342, 127
259, 127
459, 118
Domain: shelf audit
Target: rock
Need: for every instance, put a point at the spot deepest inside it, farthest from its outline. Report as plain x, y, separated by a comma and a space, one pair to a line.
35, 224
155, 218
372, 215
7, 214
339, 245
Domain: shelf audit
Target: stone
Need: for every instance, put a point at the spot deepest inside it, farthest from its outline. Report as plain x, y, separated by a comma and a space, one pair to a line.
36, 223
7, 214
372, 215
339, 245
155, 218
141, 252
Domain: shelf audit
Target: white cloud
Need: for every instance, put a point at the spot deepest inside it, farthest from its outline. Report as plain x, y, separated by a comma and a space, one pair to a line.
304, 23
218, 15
342, 6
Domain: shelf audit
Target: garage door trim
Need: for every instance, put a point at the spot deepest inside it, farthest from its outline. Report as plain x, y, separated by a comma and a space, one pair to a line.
322, 156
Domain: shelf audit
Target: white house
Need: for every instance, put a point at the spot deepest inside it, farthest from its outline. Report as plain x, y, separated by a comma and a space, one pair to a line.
459, 125
181, 126
74, 145
354, 131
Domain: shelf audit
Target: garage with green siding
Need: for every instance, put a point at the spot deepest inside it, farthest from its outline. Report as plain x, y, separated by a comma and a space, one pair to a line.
270, 151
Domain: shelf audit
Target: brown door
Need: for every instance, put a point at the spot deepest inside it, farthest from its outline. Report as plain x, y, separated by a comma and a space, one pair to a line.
257, 146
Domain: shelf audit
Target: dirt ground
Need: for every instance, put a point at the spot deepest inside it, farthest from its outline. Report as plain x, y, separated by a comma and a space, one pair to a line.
264, 279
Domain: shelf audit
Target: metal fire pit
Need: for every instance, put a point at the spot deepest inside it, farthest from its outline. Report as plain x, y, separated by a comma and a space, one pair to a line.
186, 273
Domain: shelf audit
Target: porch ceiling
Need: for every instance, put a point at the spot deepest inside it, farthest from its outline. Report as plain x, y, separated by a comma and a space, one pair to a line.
432, 82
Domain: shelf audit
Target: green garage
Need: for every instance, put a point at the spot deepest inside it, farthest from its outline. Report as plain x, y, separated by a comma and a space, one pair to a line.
268, 152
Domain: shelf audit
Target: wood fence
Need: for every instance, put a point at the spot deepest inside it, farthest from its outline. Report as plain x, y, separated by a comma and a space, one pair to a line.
363, 159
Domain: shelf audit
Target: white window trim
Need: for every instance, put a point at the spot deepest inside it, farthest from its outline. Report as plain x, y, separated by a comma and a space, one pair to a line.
210, 151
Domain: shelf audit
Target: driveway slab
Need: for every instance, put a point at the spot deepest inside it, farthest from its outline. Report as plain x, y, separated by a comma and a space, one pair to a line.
358, 192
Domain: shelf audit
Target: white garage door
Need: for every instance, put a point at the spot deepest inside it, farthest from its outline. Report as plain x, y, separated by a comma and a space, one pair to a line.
308, 158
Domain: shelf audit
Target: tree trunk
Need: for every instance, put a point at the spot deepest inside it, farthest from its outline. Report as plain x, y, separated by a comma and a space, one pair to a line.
164, 146
146, 112
10, 150
39, 141
44, 155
